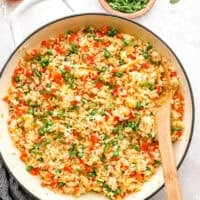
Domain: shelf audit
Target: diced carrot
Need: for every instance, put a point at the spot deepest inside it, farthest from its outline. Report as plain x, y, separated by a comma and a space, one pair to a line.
57, 77
67, 68
180, 110
68, 169
59, 50
139, 177
34, 52
120, 36
23, 156
85, 48
131, 56
94, 139
54, 183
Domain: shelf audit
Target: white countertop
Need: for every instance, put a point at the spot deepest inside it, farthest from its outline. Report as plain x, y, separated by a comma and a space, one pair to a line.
178, 25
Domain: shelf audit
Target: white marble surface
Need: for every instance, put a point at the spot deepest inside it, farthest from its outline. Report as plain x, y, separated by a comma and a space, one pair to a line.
178, 25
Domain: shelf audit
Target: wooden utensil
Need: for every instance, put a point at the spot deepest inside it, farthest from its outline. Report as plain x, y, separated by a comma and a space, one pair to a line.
172, 184
139, 13
163, 128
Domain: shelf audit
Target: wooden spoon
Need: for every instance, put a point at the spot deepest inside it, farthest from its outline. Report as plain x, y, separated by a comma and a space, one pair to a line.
163, 127
172, 184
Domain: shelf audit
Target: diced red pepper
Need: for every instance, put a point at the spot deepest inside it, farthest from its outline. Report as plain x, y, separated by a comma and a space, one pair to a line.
144, 146
94, 76
173, 74
34, 52
81, 161
73, 103
45, 43
103, 30
88, 169
96, 44
90, 59
158, 88
116, 118
132, 56
116, 90
134, 68
29, 73
106, 43
99, 85
34, 171
145, 65
179, 133
72, 37
59, 50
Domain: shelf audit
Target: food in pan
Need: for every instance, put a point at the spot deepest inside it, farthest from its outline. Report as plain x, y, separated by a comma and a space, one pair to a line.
82, 107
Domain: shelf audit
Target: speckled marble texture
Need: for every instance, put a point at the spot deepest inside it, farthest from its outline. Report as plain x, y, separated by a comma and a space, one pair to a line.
178, 25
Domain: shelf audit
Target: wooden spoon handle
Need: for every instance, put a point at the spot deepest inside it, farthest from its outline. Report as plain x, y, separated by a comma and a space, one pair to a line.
172, 184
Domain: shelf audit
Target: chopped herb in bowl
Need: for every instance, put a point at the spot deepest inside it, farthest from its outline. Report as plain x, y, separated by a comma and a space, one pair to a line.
128, 6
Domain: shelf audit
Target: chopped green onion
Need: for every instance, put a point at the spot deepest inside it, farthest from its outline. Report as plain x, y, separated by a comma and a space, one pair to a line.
116, 152
61, 184
44, 62
118, 74
121, 62
102, 113
106, 54
112, 32
49, 52
17, 79
121, 136
145, 54
135, 147
29, 168
176, 129
37, 73
102, 158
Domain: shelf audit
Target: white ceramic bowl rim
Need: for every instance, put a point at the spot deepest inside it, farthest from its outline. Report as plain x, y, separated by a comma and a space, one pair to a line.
122, 18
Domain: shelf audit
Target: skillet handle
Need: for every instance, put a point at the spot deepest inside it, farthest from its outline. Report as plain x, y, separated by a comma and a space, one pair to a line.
14, 20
